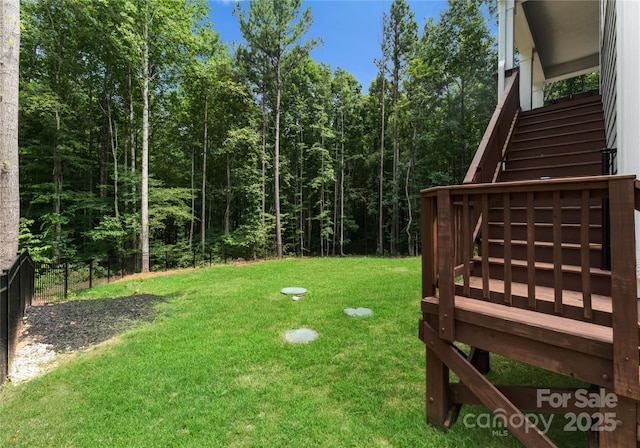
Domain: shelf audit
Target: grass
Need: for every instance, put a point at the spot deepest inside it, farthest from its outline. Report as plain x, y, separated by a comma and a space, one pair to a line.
214, 369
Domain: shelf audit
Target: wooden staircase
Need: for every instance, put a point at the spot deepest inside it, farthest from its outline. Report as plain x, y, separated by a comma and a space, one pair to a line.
561, 140
515, 262
558, 141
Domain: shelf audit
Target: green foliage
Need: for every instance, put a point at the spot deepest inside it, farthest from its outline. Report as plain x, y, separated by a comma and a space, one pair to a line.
108, 236
567, 87
37, 249
213, 151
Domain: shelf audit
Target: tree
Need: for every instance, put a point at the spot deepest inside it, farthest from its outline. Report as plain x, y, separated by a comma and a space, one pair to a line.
211, 137
400, 36
274, 36
462, 46
382, 65
346, 91
154, 38
9, 174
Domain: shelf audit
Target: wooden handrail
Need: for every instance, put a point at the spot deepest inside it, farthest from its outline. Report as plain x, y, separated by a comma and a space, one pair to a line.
486, 162
538, 185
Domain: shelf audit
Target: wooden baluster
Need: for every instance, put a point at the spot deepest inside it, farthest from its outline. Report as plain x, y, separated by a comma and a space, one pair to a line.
585, 255
531, 251
507, 247
557, 252
429, 247
467, 241
485, 246
457, 234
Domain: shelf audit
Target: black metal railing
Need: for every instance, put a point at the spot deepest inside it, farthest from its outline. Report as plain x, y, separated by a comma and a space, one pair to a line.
16, 294
609, 167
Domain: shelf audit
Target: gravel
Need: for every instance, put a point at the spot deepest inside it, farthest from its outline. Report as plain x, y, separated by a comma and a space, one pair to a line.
66, 327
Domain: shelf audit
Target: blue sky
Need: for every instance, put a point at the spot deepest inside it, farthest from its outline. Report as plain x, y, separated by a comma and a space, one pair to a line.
351, 30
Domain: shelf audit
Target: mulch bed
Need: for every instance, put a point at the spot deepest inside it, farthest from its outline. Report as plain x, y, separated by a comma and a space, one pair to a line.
79, 324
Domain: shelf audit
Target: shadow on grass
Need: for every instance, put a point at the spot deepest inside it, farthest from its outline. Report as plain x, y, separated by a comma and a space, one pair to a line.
78, 324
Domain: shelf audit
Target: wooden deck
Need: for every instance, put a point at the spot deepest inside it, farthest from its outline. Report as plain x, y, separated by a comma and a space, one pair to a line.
550, 318
518, 268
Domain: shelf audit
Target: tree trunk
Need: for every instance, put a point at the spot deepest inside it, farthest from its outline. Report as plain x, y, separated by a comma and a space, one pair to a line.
406, 193
132, 131
396, 159
322, 204
301, 202
193, 195
113, 139
144, 210
9, 179
342, 188
132, 144
105, 144
227, 210
205, 141
264, 171
276, 167
336, 189
381, 188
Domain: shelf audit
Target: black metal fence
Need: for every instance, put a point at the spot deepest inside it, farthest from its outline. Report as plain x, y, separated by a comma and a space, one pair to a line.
55, 281
16, 294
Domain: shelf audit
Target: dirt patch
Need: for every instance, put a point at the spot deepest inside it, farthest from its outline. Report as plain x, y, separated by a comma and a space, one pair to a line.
55, 329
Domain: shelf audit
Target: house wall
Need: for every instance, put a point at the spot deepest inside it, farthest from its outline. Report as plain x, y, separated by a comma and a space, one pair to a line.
608, 76
628, 95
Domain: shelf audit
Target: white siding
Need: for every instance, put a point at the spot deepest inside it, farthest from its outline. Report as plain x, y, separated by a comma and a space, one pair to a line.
608, 69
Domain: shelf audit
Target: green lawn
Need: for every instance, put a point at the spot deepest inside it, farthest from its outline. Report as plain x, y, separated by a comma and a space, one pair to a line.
213, 369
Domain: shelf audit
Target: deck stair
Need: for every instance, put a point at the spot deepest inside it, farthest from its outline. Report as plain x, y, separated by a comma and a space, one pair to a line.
558, 141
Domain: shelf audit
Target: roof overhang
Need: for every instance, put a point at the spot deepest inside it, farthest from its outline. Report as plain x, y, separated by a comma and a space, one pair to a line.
564, 34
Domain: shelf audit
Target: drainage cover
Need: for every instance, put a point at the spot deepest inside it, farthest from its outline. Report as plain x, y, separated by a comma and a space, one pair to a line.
356, 312
293, 291
301, 335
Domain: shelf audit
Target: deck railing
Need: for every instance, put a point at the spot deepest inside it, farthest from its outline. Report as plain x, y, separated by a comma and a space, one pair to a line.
448, 223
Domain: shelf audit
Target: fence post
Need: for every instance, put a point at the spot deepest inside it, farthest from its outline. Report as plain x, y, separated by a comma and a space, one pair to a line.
66, 279
194, 259
4, 325
90, 274
108, 269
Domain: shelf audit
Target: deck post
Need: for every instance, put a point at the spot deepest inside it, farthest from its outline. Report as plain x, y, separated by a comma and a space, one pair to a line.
438, 403
446, 245
620, 430
623, 289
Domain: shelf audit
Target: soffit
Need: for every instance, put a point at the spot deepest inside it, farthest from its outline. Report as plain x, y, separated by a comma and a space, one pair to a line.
565, 34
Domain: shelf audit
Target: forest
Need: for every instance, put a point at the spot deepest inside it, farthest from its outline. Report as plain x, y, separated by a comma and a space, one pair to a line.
141, 131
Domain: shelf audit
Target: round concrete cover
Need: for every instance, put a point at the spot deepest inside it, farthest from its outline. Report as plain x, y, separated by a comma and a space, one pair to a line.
301, 335
356, 312
293, 291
